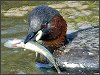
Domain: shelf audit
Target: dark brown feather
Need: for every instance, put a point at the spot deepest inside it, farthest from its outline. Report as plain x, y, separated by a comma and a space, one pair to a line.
58, 31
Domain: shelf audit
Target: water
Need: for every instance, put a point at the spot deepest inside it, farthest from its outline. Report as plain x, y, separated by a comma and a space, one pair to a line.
15, 61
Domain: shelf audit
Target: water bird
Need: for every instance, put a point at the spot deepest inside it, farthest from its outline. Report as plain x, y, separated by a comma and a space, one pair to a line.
46, 24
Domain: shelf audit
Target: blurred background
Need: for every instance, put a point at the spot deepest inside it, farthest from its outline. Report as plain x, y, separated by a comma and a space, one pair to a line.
14, 24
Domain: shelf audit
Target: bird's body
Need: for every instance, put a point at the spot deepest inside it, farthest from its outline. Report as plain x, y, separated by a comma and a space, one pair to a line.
51, 23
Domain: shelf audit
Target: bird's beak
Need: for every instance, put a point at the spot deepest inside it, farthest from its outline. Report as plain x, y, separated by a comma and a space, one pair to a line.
29, 37
33, 35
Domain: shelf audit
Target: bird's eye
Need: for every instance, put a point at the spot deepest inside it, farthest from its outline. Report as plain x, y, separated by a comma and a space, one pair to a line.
44, 26
30, 36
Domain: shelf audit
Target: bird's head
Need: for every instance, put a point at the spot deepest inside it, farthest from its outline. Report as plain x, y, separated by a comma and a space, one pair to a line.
48, 25
36, 29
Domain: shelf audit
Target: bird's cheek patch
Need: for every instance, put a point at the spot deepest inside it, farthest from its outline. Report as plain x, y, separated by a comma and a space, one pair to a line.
39, 35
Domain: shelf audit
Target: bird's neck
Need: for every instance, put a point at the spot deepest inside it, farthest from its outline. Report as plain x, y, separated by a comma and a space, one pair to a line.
56, 43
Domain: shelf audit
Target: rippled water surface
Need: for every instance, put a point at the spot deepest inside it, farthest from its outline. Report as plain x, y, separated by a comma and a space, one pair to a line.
22, 62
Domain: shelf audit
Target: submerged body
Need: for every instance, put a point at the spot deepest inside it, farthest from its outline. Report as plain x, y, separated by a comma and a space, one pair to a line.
52, 25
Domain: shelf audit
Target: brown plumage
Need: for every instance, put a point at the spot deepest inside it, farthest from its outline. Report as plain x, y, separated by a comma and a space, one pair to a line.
58, 32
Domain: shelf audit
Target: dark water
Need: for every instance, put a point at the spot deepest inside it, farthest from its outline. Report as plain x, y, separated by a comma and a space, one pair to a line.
18, 61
